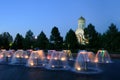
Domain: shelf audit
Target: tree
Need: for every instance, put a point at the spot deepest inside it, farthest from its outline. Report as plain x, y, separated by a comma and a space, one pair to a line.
93, 37
42, 41
56, 41
29, 40
118, 39
18, 42
6, 40
111, 38
71, 41
1, 41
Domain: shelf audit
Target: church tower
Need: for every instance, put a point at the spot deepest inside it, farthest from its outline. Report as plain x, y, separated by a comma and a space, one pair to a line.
81, 23
80, 31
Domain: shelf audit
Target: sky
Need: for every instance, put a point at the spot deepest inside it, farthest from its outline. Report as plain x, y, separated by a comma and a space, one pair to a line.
19, 16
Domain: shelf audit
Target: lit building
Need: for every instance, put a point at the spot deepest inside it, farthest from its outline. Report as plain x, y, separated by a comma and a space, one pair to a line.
80, 31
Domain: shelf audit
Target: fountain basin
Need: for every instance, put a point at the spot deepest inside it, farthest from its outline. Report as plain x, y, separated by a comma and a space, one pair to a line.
89, 71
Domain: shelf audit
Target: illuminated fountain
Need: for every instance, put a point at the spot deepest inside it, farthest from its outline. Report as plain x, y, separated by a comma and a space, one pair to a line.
49, 54
37, 59
58, 61
2, 55
6, 56
102, 56
69, 54
91, 56
20, 57
84, 63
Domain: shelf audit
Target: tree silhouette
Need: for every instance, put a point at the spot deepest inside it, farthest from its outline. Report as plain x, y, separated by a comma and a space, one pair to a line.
71, 41
56, 41
6, 40
18, 42
93, 36
111, 38
42, 41
29, 40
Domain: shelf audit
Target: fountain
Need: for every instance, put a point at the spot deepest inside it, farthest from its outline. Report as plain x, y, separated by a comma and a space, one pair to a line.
2, 55
37, 59
69, 54
20, 57
84, 63
91, 56
102, 56
49, 54
6, 56
58, 61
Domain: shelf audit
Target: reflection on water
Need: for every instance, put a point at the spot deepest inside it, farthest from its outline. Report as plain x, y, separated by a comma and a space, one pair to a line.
10, 72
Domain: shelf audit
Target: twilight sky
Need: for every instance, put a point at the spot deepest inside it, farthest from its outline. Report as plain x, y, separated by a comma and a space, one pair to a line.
18, 16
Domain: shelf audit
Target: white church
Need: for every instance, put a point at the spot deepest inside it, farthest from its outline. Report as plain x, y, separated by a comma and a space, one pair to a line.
80, 31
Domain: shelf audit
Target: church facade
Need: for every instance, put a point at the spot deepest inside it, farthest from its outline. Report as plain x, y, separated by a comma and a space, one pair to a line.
80, 31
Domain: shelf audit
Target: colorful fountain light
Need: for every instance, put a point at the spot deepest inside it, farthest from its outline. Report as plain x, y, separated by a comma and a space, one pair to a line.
58, 61
69, 54
81, 61
91, 56
20, 57
102, 56
37, 59
49, 54
5, 56
84, 63
1, 55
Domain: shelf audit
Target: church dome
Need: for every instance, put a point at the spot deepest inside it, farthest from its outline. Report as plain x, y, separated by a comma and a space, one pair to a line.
82, 18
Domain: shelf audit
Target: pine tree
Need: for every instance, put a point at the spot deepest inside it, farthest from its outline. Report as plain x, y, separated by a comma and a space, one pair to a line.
93, 36
42, 41
6, 40
111, 38
56, 41
71, 41
29, 40
18, 42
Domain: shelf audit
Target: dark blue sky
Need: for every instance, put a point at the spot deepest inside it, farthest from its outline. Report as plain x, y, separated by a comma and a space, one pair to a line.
18, 16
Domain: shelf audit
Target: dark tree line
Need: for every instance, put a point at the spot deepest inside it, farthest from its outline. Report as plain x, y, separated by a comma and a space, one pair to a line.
108, 40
